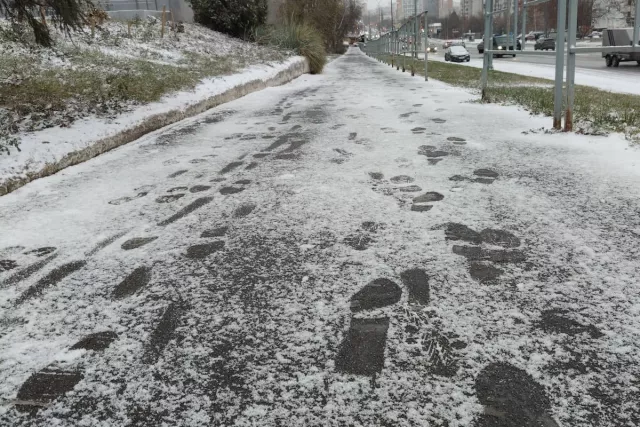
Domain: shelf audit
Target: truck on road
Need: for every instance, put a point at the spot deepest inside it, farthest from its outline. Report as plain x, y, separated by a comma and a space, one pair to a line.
619, 37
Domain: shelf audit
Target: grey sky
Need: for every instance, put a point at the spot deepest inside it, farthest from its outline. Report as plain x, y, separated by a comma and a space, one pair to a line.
374, 3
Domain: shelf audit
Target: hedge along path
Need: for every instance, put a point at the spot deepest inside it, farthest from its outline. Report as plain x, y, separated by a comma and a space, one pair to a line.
155, 122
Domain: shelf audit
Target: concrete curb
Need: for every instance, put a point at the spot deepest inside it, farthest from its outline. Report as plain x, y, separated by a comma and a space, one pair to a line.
153, 123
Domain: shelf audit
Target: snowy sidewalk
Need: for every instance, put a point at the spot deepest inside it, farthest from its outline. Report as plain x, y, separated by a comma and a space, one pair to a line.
355, 248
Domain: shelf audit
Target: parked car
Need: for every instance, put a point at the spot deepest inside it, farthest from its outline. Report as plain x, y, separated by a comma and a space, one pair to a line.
595, 35
618, 37
502, 43
457, 54
545, 43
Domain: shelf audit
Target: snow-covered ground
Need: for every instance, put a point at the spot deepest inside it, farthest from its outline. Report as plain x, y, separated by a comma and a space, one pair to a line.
502, 263
39, 148
115, 52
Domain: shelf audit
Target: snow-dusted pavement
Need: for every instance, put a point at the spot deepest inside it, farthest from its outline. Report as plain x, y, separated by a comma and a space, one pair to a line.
357, 248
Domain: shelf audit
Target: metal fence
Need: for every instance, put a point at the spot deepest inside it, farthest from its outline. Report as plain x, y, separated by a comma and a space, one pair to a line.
408, 42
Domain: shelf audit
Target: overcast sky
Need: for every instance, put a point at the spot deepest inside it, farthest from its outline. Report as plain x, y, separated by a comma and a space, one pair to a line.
374, 3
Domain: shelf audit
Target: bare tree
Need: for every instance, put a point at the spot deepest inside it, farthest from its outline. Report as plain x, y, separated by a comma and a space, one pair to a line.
333, 18
602, 8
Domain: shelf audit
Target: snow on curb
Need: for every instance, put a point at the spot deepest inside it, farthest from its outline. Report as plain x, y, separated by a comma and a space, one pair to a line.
91, 137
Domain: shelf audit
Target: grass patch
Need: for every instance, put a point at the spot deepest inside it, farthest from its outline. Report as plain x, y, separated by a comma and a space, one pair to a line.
121, 65
596, 110
301, 38
461, 76
95, 83
94, 76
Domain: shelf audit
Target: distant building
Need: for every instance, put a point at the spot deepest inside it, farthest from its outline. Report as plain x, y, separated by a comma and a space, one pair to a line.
613, 13
445, 9
409, 7
497, 4
435, 29
469, 8
433, 7
466, 7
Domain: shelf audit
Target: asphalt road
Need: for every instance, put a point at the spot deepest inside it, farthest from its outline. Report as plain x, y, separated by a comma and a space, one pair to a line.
357, 248
590, 61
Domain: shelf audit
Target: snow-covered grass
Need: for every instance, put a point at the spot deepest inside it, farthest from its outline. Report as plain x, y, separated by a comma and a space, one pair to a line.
119, 66
47, 151
596, 111
466, 76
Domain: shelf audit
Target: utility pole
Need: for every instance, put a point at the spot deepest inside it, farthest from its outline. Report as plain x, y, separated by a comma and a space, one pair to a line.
488, 45
393, 32
524, 23
560, 44
515, 26
636, 25
426, 48
416, 27
508, 18
571, 64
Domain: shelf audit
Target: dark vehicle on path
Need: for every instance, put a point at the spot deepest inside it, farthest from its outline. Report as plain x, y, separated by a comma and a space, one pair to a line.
457, 54
545, 43
502, 43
